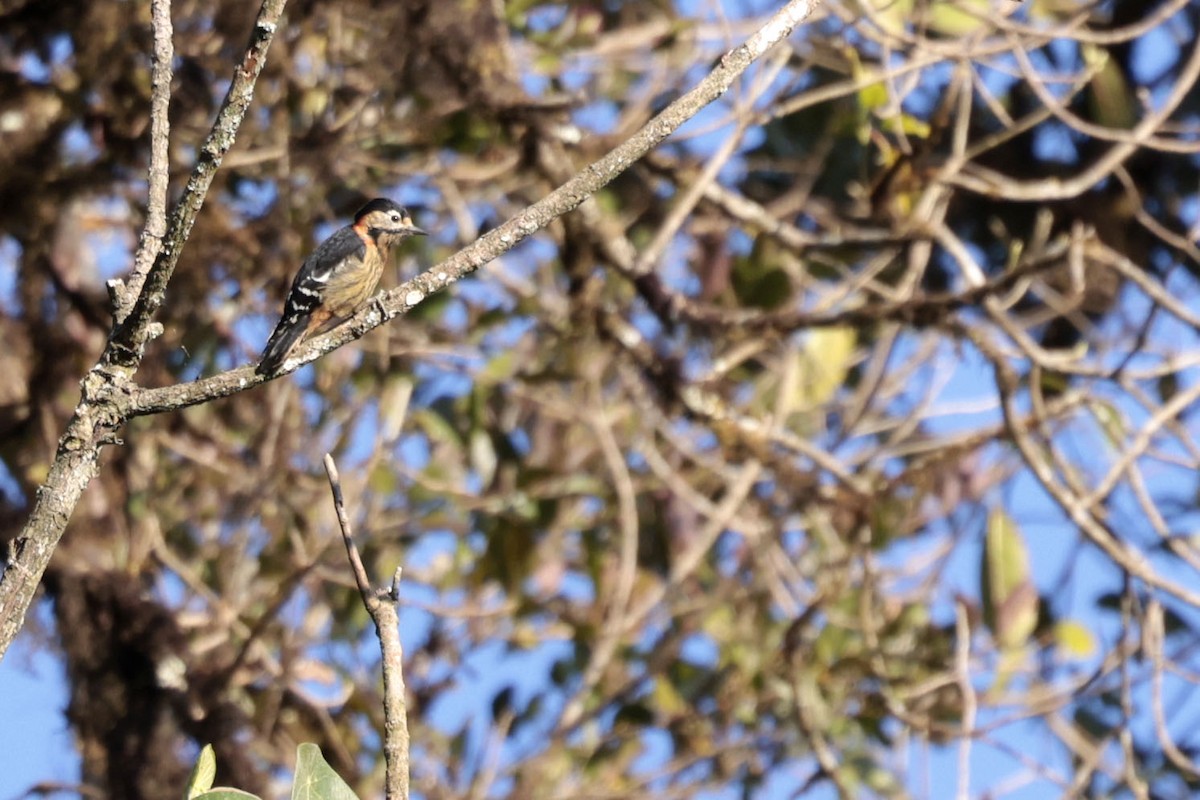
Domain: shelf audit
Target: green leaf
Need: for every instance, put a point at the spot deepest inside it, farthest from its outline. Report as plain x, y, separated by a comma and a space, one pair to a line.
437, 428
382, 479
1010, 602
1053, 10
1074, 639
862, 770
482, 454
315, 779
668, 700
203, 774
499, 368
226, 794
909, 125
892, 15
759, 280
830, 352
872, 96
393, 405
1113, 103
959, 18
1111, 422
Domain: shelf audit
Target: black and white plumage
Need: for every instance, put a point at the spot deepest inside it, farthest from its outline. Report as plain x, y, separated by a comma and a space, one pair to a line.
337, 278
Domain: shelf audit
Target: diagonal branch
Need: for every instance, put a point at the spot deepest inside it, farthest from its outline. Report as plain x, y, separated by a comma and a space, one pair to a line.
500, 240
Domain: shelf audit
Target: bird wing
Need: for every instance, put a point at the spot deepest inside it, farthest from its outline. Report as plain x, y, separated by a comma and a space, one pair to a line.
329, 256
306, 294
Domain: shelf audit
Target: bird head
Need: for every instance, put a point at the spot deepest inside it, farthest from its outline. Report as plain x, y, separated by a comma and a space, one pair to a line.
385, 221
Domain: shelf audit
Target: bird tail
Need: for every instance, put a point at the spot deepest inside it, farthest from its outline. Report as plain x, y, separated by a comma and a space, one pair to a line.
288, 334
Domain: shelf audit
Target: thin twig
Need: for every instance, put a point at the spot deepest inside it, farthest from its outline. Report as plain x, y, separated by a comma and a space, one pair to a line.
1121, 552
387, 627
990, 183
605, 646
124, 293
962, 669
1153, 632
1125, 735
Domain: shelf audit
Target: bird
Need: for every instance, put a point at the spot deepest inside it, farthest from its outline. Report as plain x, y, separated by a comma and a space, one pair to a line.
337, 278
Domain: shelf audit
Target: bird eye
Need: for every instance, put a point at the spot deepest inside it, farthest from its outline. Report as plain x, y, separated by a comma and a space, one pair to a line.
395, 217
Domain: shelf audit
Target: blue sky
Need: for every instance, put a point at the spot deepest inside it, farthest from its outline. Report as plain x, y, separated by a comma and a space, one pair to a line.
34, 735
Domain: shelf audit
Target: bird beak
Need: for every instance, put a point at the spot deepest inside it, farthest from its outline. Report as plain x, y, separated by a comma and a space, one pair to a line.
413, 230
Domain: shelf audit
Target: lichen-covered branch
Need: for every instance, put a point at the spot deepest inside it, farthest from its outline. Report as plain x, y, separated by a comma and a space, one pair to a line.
102, 408
124, 293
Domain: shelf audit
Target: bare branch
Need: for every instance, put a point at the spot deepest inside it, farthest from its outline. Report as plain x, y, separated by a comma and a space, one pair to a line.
99, 412
124, 293
993, 184
387, 627
500, 240
130, 337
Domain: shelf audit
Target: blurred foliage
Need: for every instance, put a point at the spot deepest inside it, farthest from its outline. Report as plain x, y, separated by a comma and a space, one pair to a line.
660, 535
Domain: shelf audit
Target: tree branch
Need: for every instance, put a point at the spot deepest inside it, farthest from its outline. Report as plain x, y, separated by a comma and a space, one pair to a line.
105, 390
124, 293
500, 240
109, 396
130, 337
387, 626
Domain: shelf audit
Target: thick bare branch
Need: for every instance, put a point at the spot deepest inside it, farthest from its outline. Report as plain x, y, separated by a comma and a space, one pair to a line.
99, 412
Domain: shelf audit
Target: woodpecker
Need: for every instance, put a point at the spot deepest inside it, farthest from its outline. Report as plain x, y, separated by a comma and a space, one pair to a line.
337, 278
